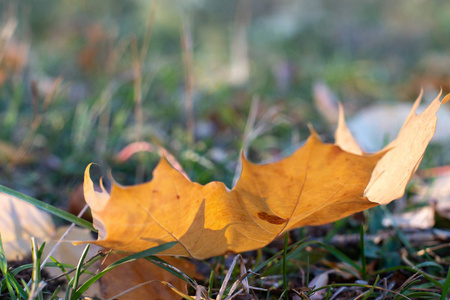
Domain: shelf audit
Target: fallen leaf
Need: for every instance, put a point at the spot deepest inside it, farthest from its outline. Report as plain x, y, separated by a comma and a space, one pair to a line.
319, 183
422, 218
438, 193
19, 221
139, 279
317, 282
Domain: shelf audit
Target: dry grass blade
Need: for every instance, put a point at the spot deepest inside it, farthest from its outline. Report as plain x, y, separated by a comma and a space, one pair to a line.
430, 251
8, 29
148, 32
249, 127
137, 85
242, 280
36, 122
201, 293
340, 290
62, 238
244, 271
240, 66
227, 277
408, 281
188, 57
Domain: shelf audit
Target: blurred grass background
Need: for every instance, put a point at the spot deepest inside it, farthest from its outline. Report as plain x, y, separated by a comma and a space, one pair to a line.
184, 75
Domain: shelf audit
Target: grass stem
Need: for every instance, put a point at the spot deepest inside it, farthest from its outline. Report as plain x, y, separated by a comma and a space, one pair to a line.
286, 242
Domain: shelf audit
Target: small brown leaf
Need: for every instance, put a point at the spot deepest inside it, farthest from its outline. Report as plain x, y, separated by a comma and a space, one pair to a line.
144, 280
422, 218
19, 221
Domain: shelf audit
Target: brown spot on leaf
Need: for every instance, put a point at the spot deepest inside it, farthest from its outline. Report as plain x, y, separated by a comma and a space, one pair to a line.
155, 191
271, 218
178, 196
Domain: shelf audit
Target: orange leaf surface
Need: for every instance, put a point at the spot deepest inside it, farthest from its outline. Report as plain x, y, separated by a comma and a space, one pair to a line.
317, 184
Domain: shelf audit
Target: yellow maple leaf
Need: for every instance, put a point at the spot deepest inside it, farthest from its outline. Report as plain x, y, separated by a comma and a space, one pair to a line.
317, 184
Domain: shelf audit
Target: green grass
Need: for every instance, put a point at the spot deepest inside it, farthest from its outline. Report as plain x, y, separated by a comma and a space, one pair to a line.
35, 289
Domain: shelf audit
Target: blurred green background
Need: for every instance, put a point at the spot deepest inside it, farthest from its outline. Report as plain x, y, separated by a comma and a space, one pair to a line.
129, 68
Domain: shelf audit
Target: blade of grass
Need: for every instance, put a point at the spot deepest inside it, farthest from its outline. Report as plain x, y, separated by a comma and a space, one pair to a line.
9, 280
171, 269
300, 245
79, 267
363, 254
29, 266
412, 270
142, 254
369, 292
86, 266
63, 237
307, 270
446, 286
55, 293
430, 264
36, 275
68, 290
223, 288
339, 255
328, 294
423, 295
282, 294
26, 288
212, 276
286, 241
48, 208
